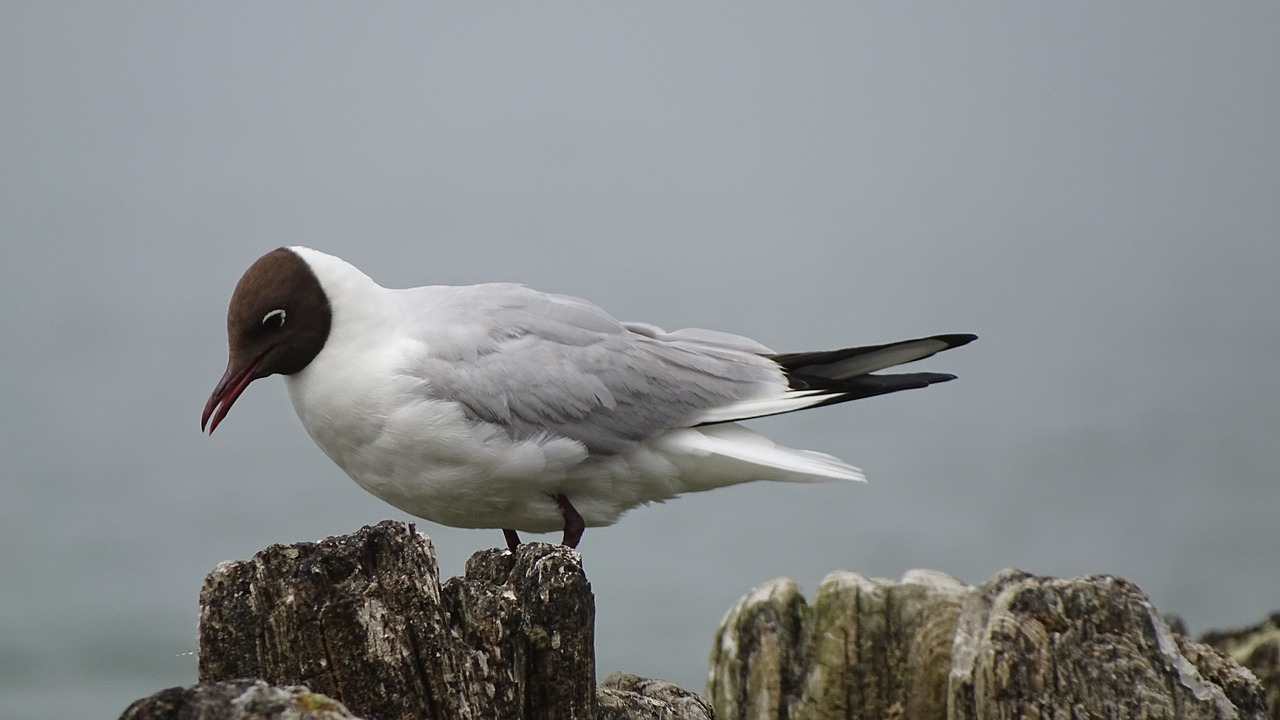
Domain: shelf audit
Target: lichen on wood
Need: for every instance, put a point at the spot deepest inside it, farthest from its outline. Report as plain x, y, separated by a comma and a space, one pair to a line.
363, 618
929, 646
1257, 648
360, 626
237, 700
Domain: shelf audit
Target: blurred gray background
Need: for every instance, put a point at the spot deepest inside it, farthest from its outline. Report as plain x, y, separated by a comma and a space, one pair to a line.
1093, 189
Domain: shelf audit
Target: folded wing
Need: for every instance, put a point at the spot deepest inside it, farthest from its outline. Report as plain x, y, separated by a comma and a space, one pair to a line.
548, 365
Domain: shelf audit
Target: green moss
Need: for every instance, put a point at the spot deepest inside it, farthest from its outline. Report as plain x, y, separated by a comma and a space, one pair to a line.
315, 702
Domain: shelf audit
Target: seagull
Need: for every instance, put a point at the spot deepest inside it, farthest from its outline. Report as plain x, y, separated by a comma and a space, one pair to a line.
499, 406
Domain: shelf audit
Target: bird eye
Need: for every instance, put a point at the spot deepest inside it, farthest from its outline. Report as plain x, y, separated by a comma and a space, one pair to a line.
273, 320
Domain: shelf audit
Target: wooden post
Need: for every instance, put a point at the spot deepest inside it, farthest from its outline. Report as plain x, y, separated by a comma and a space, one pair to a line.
363, 619
932, 647
360, 626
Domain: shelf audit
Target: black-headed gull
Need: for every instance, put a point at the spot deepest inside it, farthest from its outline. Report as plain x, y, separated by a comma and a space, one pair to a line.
498, 406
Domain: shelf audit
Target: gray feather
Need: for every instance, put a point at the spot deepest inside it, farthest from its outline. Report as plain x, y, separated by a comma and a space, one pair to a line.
539, 364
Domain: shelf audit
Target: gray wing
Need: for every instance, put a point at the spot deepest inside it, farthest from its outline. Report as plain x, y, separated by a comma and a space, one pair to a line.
536, 364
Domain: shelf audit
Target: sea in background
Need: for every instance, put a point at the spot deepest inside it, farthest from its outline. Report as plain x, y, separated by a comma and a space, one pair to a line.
1093, 188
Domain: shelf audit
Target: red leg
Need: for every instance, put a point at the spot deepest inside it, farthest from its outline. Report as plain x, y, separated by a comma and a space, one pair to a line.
573, 523
513, 540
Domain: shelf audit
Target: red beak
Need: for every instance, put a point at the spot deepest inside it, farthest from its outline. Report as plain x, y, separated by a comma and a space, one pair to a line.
229, 388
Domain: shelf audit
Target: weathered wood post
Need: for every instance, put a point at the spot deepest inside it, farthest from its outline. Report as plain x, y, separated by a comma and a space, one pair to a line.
362, 621
929, 646
1257, 648
360, 626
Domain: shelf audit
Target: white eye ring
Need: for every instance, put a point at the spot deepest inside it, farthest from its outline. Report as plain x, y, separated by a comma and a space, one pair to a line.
275, 318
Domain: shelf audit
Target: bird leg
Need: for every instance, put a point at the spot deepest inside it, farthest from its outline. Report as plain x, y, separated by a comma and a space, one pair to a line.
573, 523
513, 540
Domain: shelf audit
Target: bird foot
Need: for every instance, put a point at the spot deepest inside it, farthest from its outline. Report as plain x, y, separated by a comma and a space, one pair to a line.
573, 523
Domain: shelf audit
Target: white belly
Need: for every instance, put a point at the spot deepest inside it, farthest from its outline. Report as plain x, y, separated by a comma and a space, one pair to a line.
428, 459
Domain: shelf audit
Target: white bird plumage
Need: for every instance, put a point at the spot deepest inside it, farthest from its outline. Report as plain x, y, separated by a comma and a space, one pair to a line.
494, 406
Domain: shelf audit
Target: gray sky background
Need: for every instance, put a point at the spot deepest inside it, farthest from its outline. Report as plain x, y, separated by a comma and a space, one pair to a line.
1092, 188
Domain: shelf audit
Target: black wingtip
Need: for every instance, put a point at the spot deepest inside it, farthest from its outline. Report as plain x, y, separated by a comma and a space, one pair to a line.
865, 386
955, 340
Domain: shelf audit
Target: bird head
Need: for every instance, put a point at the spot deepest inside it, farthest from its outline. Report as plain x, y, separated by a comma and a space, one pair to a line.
277, 322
